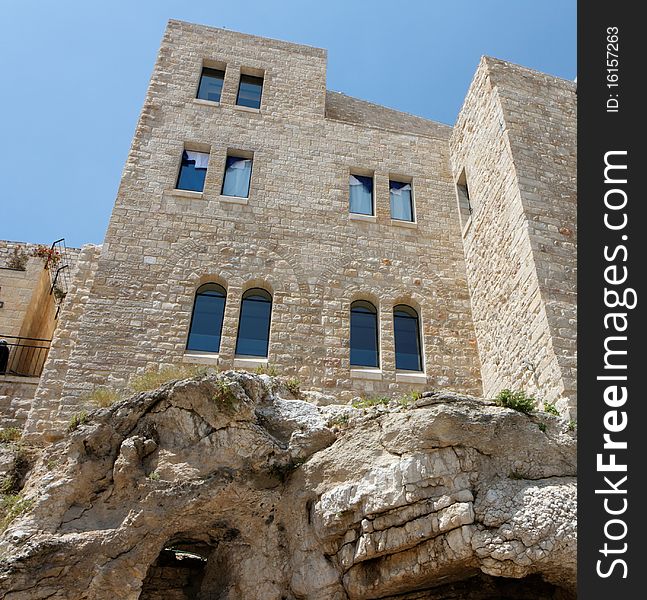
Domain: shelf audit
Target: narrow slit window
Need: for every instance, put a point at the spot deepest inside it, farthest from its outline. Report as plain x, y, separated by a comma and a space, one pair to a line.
464, 202
401, 200
210, 87
250, 90
254, 323
406, 325
238, 174
364, 346
361, 194
206, 320
193, 170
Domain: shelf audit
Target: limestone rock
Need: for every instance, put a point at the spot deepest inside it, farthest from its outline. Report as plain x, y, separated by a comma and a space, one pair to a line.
219, 487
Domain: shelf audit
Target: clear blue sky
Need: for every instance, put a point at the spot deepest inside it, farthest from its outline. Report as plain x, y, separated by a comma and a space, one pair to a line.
74, 76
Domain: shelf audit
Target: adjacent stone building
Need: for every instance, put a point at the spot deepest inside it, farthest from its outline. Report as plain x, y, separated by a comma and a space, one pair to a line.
354, 247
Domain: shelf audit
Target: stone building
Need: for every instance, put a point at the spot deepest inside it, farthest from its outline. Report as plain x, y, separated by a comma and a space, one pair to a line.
263, 221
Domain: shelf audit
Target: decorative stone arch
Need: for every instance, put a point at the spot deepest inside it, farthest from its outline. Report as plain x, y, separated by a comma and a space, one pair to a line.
243, 266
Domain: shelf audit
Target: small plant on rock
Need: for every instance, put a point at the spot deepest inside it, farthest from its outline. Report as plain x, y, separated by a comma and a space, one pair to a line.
551, 409
571, 425
80, 418
12, 506
368, 402
542, 427
266, 370
409, 398
103, 397
153, 476
340, 421
10, 434
18, 259
294, 386
224, 395
151, 380
516, 401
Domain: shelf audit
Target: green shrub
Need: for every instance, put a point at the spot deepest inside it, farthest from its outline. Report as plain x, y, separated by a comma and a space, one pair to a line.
154, 476
542, 427
571, 425
10, 434
516, 401
551, 409
340, 420
151, 380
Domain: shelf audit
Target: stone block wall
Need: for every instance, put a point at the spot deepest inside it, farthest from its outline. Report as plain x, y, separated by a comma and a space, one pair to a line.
293, 235
515, 138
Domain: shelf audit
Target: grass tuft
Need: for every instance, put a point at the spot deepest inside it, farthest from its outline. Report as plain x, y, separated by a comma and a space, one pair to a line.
516, 401
151, 380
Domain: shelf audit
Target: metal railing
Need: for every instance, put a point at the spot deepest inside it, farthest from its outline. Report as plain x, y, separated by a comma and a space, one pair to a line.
59, 273
22, 356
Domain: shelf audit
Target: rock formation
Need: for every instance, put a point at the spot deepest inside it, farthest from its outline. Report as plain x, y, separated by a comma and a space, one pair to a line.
228, 487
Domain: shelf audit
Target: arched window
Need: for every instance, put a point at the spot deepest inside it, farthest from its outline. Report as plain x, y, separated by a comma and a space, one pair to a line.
206, 321
407, 338
254, 324
364, 347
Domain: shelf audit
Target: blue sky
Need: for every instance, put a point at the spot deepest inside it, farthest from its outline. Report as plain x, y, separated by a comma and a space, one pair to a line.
74, 75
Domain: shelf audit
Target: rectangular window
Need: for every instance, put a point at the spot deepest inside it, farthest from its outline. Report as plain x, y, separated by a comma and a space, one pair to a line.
401, 200
361, 194
192, 171
238, 173
210, 86
250, 91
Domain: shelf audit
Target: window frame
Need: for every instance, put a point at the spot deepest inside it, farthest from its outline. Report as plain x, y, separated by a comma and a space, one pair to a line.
364, 175
241, 155
361, 303
253, 74
219, 69
197, 293
406, 308
186, 150
404, 181
244, 297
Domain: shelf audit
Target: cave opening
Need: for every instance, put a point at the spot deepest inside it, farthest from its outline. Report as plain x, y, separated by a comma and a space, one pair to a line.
178, 573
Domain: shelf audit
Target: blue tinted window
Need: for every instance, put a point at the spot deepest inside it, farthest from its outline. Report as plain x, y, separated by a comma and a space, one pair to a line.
238, 172
206, 321
210, 86
250, 91
401, 204
407, 339
192, 171
361, 194
254, 324
363, 335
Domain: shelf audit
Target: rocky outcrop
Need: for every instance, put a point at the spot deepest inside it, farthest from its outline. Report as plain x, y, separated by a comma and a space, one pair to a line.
228, 487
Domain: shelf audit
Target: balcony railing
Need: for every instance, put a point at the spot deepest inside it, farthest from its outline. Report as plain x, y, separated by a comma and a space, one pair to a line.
22, 356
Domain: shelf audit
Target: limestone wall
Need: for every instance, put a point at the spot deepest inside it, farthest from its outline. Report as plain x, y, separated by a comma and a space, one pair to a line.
515, 138
292, 236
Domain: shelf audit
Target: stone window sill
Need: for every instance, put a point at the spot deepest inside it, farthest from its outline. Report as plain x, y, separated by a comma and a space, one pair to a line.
201, 358
366, 373
234, 199
252, 362
400, 223
206, 102
410, 377
247, 109
365, 218
6, 378
187, 194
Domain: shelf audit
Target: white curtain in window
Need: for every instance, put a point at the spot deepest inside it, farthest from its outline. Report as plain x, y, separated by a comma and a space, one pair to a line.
401, 203
361, 195
201, 158
237, 176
